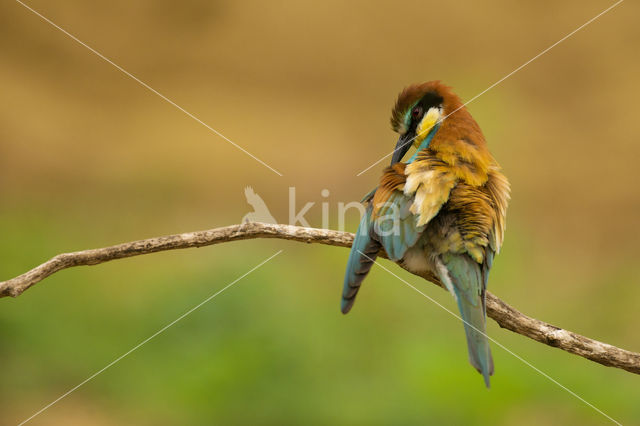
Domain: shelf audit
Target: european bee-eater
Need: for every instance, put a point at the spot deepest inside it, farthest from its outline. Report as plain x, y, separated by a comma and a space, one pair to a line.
442, 211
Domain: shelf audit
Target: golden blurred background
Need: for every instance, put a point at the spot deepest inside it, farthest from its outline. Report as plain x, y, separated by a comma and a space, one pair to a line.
89, 158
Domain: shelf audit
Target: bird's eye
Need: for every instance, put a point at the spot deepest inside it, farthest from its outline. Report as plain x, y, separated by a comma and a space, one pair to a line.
416, 112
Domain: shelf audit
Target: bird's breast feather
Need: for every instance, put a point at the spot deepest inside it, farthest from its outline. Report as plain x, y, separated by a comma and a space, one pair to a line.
430, 188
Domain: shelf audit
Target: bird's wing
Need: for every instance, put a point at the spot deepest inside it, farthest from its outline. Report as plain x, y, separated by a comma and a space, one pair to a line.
383, 205
498, 188
409, 196
480, 216
363, 253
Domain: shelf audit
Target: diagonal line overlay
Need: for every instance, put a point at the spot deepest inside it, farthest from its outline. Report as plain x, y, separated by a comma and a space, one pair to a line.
501, 80
145, 85
494, 341
148, 339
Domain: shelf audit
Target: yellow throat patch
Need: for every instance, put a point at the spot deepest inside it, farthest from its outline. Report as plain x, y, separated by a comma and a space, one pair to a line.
429, 120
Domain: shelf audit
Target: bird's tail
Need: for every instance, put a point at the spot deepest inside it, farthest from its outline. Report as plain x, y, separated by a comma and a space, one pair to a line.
465, 277
477, 342
363, 253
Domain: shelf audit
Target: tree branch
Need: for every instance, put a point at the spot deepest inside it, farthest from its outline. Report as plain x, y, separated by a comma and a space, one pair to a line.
505, 315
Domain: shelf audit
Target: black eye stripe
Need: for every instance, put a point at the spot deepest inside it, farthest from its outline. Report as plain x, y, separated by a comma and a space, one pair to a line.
430, 100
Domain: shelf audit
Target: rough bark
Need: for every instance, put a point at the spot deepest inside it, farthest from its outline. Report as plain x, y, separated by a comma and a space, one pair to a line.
505, 315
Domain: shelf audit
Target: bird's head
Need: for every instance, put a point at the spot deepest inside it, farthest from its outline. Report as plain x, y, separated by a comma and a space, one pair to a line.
418, 113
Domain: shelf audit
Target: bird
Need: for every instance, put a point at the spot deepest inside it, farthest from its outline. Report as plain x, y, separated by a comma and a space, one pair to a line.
440, 212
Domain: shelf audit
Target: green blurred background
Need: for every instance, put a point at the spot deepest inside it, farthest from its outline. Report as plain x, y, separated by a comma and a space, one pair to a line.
89, 158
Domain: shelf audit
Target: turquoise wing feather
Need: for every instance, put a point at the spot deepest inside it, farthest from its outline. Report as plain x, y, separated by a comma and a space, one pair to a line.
395, 226
363, 253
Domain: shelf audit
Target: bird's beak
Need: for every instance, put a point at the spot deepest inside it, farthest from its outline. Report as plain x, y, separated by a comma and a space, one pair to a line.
403, 145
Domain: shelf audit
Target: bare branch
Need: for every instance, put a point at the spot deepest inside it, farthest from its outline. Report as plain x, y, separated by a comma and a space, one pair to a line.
506, 316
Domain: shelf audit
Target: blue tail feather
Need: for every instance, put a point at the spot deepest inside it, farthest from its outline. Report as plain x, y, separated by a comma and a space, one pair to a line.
467, 279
